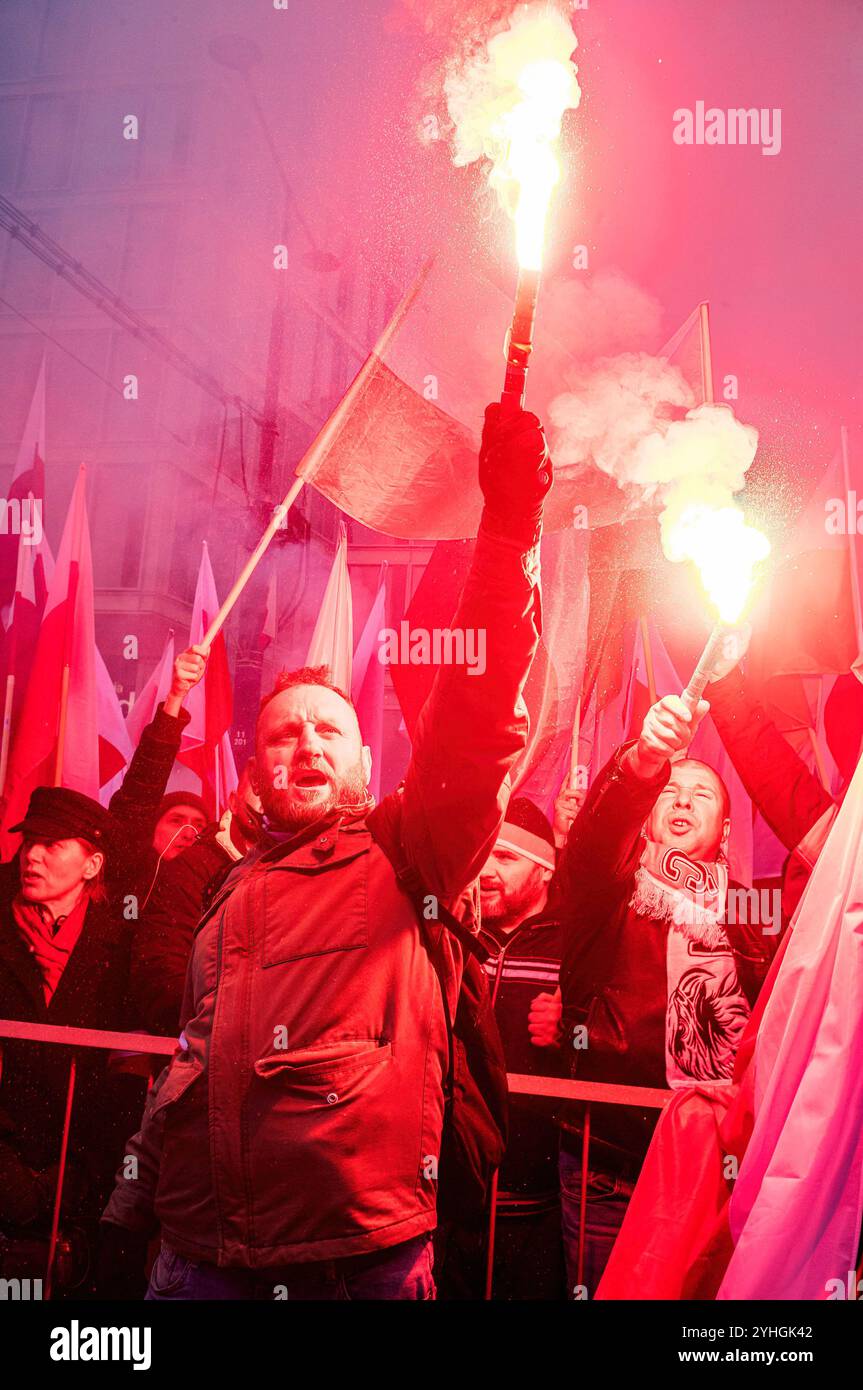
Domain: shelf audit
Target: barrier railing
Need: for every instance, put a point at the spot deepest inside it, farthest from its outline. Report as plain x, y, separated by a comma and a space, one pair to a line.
549, 1087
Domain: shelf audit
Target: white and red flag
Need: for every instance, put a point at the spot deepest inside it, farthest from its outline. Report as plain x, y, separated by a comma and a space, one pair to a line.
27, 490
205, 747
797, 1202
35, 566
57, 739
367, 685
115, 744
399, 452
333, 638
154, 690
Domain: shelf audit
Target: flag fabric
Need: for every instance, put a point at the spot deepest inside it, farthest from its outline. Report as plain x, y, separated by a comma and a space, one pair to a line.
153, 692
27, 487
35, 566
798, 1200
115, 745
555, 681
807, 620
401, 454
143, 709
333, 637
204, 745
66, 639
226, 779
555, 678
367, 683
270, 629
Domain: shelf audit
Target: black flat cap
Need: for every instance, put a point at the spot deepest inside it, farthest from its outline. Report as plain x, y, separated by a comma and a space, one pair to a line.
58, 813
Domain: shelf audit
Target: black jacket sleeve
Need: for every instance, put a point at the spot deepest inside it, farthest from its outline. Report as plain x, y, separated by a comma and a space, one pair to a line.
597, 868
135, 804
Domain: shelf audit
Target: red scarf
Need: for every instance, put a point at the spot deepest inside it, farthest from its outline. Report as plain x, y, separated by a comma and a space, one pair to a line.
50, 941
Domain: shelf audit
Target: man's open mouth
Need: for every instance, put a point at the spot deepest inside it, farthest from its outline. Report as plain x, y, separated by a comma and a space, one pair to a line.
311, 780
680, 824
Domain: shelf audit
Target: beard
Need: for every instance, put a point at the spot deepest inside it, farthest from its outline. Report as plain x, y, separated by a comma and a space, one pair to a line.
295, 808
508, 909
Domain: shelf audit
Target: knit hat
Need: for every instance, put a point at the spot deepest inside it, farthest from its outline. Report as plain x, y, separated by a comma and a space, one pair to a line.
182, 799
528, 832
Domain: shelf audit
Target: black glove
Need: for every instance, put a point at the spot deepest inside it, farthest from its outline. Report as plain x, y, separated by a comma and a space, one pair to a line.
515, 472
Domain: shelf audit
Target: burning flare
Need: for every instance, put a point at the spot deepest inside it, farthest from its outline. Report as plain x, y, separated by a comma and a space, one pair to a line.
726, 551
507, 103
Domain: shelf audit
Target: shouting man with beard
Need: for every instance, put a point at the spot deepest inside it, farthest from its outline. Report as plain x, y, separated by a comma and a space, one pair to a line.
657, 983
297, 1132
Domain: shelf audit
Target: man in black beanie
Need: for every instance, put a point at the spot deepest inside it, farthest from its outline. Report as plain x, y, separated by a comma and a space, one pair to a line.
524, 939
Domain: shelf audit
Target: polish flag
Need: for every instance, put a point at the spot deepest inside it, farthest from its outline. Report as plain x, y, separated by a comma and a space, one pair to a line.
153, 692
143, 709
367, 686
57, 740
205, 746
35, 566
333, 637
115, 745
27, 488
797, 1204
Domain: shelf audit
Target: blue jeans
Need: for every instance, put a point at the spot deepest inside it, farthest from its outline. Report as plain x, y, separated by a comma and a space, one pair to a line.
607, 1200
403, 1271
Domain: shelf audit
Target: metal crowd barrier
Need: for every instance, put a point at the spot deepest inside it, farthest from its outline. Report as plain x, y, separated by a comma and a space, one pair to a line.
552, 1088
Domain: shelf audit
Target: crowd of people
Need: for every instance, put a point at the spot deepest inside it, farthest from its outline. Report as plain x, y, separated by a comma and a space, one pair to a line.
351, 984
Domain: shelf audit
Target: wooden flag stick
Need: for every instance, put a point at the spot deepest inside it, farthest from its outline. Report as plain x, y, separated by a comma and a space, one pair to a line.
648, 659
576, 739
71, 605
317, 451
852, 549
706, 354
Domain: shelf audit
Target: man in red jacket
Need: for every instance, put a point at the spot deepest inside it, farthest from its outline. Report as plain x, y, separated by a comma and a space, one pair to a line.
297, 1133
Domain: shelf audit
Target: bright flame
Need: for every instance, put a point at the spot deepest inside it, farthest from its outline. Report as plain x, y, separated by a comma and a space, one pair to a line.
528, 133
726, 551
507, 105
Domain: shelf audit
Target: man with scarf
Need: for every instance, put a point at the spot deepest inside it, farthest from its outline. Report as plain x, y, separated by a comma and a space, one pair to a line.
656, 984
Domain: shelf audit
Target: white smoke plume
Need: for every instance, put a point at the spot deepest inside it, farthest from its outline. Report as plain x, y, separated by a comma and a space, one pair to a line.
625, 417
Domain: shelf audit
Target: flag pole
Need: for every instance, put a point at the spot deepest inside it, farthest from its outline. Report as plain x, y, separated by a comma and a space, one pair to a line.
852, 549
706, 353
72, 600
318, 450
648, 659
576, 740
